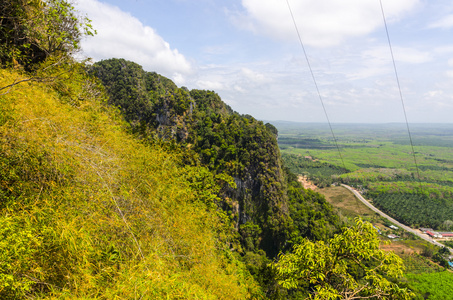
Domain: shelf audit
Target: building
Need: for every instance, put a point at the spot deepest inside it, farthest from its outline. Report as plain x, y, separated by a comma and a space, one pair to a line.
424, 230
434, 234
446, 234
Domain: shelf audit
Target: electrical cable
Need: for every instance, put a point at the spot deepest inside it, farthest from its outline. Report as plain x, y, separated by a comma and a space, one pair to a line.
316, 84
401, 95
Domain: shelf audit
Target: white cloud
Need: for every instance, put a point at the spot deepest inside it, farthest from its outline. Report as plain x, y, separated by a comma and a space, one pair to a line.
438, 99
444, 23
239, 89
377, 61
411, 55
120, 35
449, 73
253, 76
210, 85
447, 49
321, 23
405, 54
433, 94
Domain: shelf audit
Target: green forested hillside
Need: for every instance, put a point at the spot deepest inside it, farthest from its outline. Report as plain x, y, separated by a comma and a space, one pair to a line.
89, 211
139, 189
265, 205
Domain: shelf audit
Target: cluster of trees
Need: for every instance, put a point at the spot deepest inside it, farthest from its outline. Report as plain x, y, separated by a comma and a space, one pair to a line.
33, 31
88, 210
414, 209
320, 173
335, 269
226, 142
414, 203
306, 143
441, 256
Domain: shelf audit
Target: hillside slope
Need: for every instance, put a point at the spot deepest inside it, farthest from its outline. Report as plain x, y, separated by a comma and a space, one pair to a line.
270, 208
88, 211
93, 207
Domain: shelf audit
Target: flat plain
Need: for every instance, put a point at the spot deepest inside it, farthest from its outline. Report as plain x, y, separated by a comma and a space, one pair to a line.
410, 177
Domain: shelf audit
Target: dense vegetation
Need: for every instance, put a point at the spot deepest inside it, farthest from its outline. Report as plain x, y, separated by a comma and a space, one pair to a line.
412, 209
321, 173
86, 209
436, 286
141, 189
267, 200
334, 270
89, 211
32, 31
380, 162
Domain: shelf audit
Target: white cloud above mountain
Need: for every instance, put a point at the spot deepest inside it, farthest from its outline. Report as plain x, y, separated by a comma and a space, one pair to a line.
121, 35
258, 67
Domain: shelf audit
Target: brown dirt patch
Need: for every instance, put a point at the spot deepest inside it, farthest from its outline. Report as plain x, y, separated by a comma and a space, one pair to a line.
345, 201
306, 183
398, 248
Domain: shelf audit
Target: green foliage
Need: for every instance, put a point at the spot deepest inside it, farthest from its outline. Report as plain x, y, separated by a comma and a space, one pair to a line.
414, 209
321, 173
32, 31
348, 265
89, 211
448, 243
435, 286
19, 245
224, 141
313, 217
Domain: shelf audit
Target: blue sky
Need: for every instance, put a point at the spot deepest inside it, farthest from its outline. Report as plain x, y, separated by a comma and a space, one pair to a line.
249, 53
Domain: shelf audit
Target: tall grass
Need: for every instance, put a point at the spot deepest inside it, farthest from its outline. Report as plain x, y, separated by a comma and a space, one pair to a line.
88, 211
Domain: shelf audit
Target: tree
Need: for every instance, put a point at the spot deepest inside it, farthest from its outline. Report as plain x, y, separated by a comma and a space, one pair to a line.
33, 30
348, 266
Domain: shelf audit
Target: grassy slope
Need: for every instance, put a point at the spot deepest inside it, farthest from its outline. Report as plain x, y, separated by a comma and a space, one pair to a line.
86, 210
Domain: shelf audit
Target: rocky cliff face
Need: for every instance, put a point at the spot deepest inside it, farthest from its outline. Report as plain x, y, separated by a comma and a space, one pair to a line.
225, 141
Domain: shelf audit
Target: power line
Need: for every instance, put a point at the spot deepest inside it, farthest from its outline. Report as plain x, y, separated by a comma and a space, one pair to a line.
401, 94
316, 84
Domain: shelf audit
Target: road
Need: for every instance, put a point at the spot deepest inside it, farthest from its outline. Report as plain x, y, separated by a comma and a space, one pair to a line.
417, 233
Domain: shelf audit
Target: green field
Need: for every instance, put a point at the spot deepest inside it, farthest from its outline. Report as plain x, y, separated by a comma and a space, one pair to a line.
378, 159
415, 187
435, 286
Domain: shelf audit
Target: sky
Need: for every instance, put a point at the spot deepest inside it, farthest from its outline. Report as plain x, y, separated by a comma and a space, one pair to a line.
248, 51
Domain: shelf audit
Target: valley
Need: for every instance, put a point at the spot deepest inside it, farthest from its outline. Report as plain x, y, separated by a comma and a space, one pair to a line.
374, 162
117, 183
414, 188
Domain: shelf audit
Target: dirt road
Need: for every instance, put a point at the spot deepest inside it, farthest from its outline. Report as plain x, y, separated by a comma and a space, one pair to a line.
417, 233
